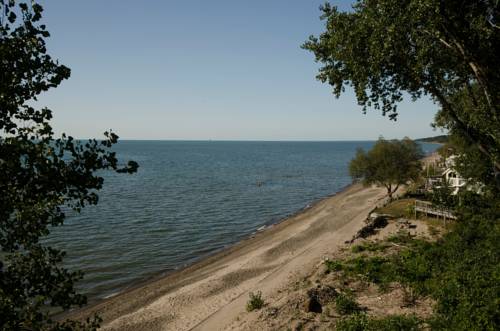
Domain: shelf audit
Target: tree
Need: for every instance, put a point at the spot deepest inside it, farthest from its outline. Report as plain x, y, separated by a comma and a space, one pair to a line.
389, 164
448, 50
385, 48
469, 161
442, 196
41, 177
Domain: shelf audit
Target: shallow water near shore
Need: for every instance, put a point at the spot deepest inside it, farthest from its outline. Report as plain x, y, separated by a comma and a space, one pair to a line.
192, 198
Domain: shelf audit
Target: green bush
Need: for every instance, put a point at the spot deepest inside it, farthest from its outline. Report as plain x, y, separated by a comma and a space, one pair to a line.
369, 246
356, 322
346, 305
401, 237
255, 301
361, 322
378, 270
358, 249
461, 271
332, 266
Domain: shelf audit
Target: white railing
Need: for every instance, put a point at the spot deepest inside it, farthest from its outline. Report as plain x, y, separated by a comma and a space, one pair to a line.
429, 209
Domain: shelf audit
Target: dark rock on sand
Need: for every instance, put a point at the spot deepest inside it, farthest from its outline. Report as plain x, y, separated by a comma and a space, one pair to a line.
319, 297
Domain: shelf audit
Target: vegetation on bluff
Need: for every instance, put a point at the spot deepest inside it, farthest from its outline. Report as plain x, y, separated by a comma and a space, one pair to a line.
447, 50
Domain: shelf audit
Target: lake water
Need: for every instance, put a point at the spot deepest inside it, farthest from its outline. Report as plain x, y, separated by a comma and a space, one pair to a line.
190, 199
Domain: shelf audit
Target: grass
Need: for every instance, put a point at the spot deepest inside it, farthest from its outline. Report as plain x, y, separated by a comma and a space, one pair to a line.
377, 270
402, 237
397, 208
255, 302
437, 224
333, 265
369, 247
346, 305
361, 322
459, 270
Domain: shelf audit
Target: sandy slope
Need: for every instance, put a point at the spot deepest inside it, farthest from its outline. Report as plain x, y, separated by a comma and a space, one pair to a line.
211, 294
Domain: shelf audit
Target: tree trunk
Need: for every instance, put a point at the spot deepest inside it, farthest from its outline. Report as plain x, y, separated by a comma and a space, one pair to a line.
395, 189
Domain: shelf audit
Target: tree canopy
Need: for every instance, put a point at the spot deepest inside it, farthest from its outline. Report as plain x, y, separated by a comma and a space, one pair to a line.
384, 49
470, 162
389, 164
42, 177
447, 50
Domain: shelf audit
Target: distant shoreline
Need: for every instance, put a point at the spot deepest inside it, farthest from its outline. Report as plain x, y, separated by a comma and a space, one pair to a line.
434, 142
441, 140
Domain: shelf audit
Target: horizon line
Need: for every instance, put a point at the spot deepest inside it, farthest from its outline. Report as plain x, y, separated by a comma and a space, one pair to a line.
251, 140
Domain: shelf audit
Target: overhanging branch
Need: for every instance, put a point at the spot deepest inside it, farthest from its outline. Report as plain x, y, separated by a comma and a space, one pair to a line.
468, 131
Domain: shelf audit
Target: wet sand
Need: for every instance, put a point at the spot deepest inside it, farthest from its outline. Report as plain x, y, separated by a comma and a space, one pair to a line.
210, 294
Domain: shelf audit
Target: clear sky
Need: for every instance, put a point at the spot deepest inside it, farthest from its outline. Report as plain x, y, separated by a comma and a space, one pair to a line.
199, 69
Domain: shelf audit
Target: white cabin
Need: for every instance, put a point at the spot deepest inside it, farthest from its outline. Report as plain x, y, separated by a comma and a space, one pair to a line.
454, 180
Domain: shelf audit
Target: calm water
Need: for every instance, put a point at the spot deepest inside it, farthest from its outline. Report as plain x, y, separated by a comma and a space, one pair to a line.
190, 199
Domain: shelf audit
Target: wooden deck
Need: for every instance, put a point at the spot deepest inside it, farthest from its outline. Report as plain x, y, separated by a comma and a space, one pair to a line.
429, 209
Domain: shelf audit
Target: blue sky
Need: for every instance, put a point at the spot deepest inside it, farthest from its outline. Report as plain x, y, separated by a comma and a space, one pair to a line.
228, 70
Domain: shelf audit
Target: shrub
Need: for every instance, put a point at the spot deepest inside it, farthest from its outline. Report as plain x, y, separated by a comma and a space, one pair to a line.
332, 266
370, 247
356, 322
255, 301
376, 269
402, 237
396, 323
461, 271
361, 322
358, 249
345, 304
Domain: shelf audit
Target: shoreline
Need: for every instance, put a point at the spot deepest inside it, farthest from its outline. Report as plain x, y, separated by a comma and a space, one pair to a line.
163, 274
266, 226
156, 275
236, 267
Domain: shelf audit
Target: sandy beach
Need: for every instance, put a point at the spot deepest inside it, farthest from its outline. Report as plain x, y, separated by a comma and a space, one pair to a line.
211, 294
